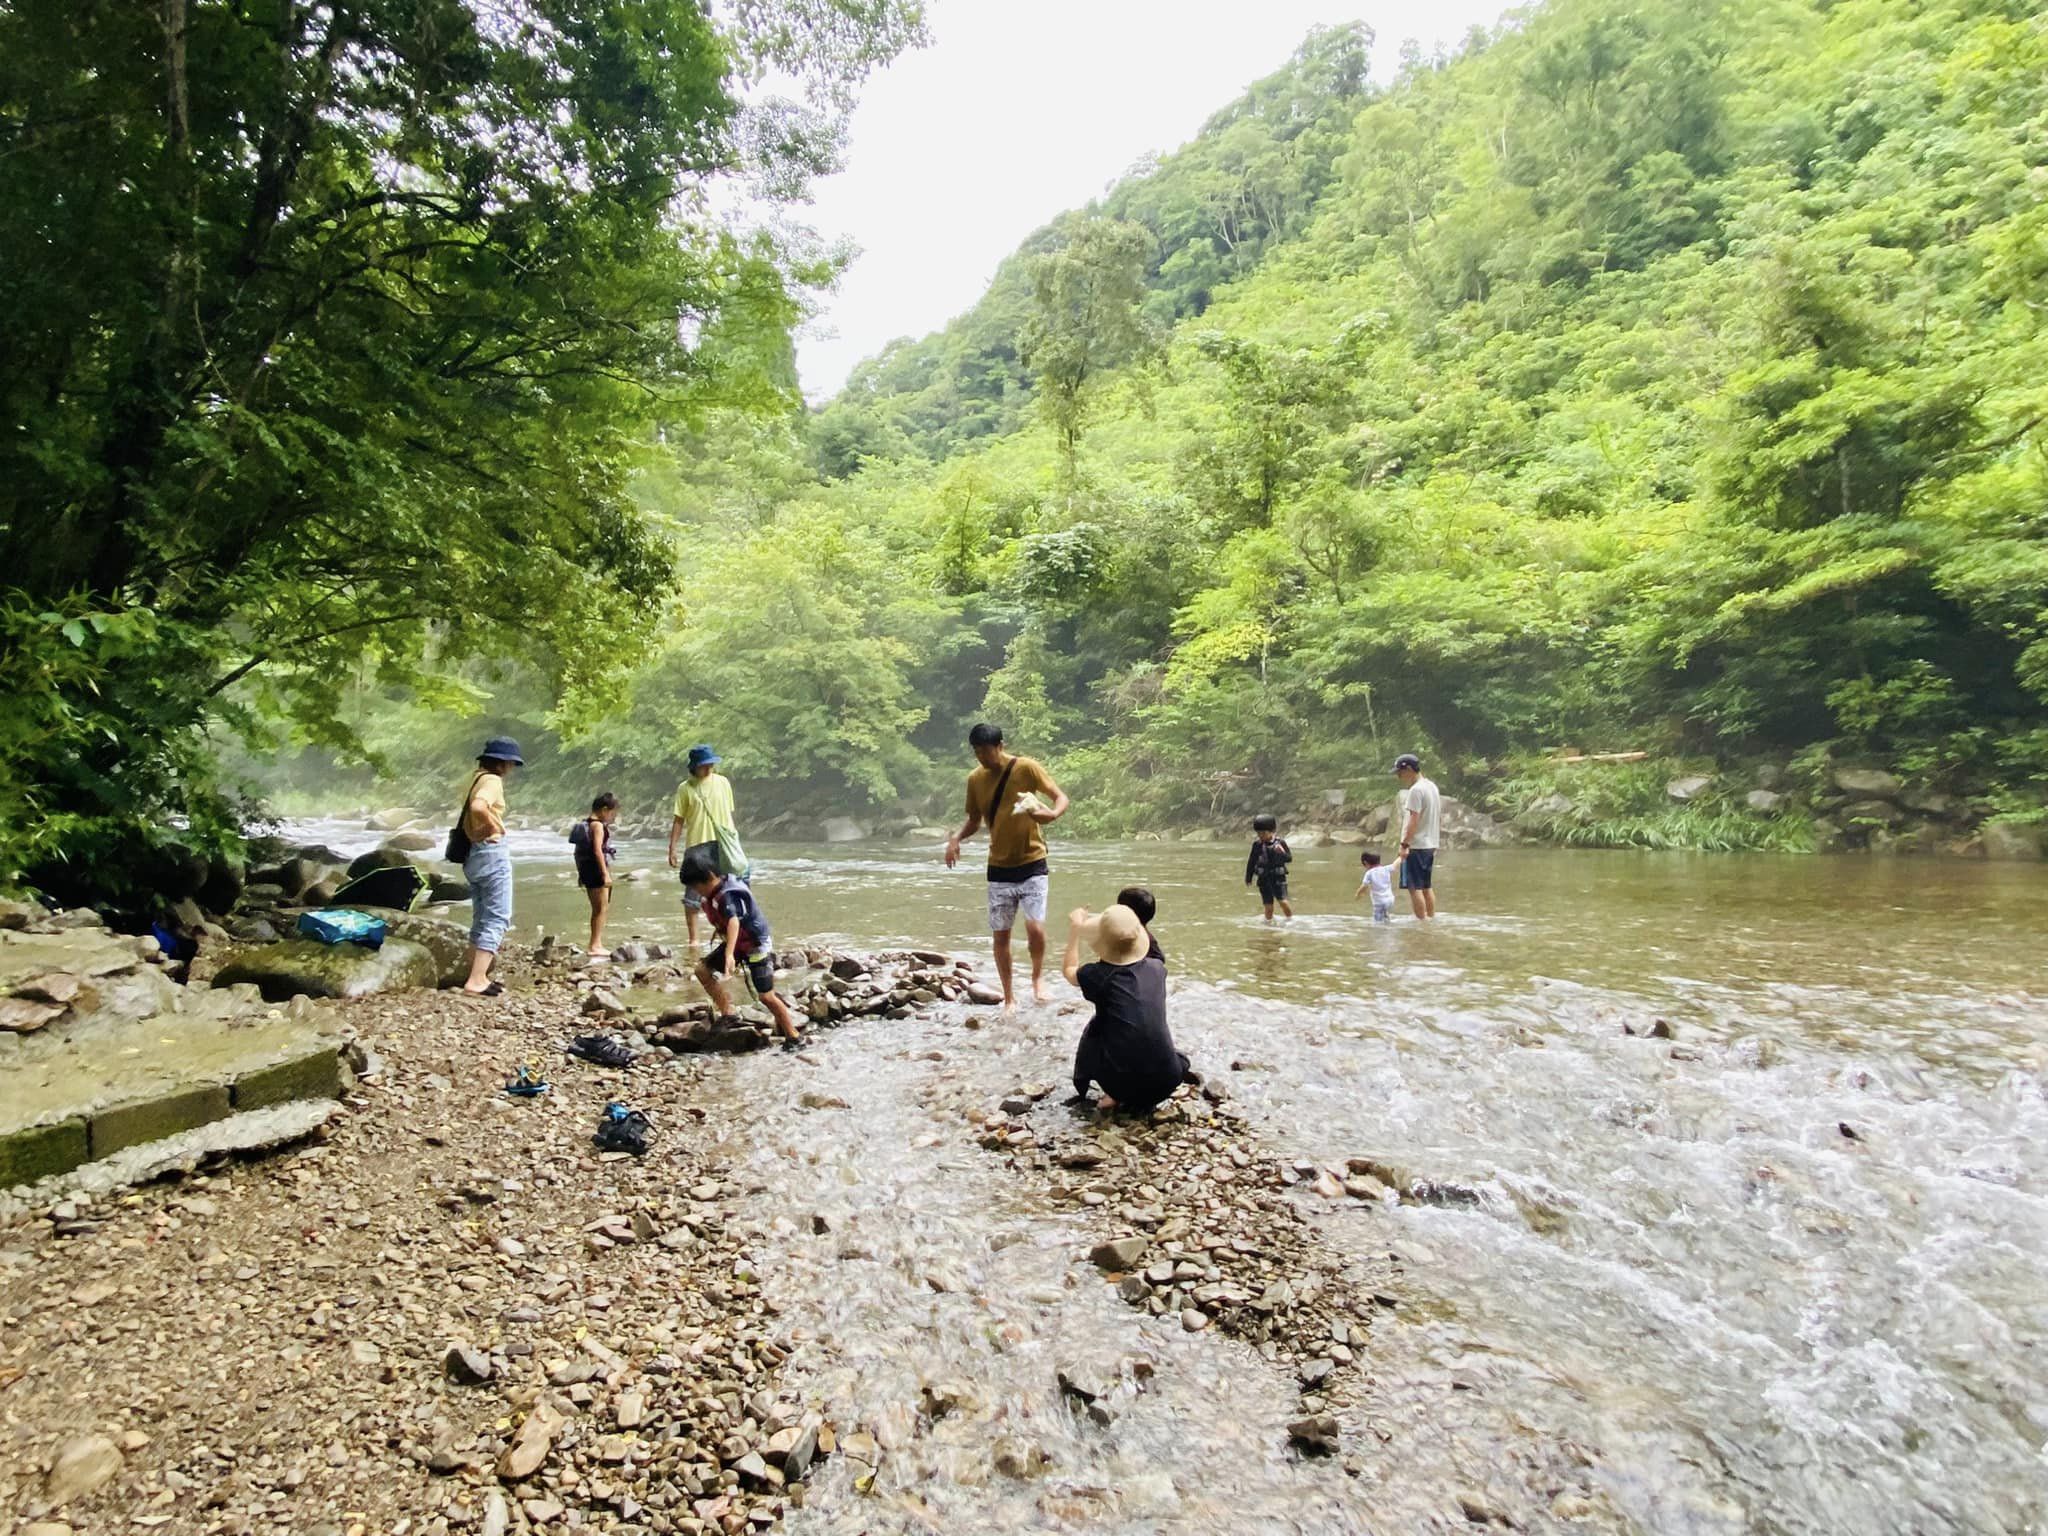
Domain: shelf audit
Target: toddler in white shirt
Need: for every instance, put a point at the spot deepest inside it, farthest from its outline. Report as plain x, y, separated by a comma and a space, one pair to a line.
1379, 880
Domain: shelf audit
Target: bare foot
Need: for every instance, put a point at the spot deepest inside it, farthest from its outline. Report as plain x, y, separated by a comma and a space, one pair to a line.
1106, 1104
1039, 995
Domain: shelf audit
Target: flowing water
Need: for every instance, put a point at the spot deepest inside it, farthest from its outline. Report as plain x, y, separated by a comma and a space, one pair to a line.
1785, 1272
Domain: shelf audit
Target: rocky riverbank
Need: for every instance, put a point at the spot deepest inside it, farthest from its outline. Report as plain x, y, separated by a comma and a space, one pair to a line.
448, 1312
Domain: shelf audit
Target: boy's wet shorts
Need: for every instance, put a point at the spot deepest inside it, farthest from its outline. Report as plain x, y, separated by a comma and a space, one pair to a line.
760, 968
1273, 887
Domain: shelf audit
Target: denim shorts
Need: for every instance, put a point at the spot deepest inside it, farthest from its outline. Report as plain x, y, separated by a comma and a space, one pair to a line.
1006, 899
489, 872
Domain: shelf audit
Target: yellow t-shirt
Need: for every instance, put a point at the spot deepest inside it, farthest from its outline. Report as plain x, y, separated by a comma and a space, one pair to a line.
1013, 841
703, 806
490, 789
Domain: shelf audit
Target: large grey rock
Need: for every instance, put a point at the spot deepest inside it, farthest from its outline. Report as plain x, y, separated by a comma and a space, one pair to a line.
1929, 803
1866, 812
1552, 804
1764, 802
1689, 787
381, 858
304, 966
413, 842
2010, 840
447, 942
844, 829
1868, 782
299, 874
391, 820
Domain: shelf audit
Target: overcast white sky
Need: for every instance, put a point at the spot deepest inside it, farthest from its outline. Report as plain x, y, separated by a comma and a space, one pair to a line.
1017, 111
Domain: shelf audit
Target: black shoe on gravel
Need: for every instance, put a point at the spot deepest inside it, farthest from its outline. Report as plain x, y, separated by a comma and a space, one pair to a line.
601, 1050
622, 1130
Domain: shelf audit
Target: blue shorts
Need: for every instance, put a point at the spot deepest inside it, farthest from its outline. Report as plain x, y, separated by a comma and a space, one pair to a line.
1418, 866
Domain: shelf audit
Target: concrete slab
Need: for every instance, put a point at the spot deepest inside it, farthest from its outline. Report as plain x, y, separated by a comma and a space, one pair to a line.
138, 1058
36, 1151
313, 1074
154, 1118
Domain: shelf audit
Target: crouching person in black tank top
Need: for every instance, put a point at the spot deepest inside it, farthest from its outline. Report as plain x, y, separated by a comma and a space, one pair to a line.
1126, 1050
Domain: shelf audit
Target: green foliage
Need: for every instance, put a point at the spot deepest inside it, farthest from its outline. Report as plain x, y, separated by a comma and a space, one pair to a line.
1085, 320
1627, 805
1652, 374
332, 337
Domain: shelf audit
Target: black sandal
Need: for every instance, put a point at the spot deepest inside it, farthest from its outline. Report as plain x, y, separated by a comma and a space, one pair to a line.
601, 1050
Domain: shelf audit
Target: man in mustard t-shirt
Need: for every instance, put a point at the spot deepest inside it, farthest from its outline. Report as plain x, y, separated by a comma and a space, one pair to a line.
703, 805
1018, 879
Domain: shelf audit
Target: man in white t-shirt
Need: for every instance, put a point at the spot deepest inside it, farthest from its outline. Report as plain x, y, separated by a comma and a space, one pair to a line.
1421, 810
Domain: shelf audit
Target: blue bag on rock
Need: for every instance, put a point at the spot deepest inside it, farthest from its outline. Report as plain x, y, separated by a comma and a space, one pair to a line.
340, 925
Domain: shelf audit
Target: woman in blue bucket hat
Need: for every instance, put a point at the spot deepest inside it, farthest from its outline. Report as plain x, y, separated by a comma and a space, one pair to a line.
487, 862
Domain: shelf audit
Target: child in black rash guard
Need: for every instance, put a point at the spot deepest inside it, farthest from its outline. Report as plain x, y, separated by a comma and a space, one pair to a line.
1267, 864
1127, 1049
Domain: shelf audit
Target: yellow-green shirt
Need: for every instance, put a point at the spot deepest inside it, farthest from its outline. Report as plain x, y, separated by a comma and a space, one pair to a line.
703, 806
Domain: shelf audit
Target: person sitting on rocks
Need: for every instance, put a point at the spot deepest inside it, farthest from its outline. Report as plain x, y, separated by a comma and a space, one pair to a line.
741, 930
1126, 1050
1142, 902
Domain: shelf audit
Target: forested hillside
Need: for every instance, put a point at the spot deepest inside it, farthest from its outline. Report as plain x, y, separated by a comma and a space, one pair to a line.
1653, 376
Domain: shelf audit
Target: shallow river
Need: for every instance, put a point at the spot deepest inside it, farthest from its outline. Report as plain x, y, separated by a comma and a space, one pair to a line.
1787, 1272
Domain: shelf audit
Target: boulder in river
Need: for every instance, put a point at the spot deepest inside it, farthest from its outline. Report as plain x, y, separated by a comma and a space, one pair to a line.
844, 829
2009, 840
305, 966
413, 842
391, 820
380, 858
1871, 783
1764, 802
446, 888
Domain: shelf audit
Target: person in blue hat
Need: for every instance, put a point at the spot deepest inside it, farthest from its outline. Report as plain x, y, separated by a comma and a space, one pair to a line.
703, 810
488, 866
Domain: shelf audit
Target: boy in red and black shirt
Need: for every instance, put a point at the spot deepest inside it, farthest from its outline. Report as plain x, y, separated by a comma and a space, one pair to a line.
741, 929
